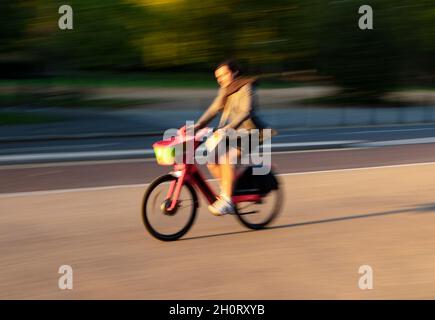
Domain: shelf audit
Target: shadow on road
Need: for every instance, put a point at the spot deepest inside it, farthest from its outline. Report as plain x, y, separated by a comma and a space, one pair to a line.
425, 208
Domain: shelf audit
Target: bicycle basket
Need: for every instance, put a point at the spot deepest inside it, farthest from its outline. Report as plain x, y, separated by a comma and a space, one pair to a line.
165, 152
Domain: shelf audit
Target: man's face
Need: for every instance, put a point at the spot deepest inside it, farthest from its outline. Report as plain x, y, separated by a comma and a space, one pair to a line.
224, 76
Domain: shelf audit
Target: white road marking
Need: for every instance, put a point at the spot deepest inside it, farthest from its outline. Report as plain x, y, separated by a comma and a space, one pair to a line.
359, 168
312, 143
74, 155
80, 146
393, 130
396, 142
293, 135
344, 132
44, 173
350, 148
90, 189
103, 162
142, 152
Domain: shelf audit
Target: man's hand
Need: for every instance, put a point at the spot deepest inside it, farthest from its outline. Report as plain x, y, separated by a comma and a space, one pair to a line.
186, 129
221, 132
182, 131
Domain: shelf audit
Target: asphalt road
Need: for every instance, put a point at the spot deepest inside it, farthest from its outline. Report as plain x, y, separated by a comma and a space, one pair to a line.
343, 209
89, 174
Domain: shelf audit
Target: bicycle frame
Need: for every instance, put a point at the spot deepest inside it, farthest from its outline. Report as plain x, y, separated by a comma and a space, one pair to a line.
190, 173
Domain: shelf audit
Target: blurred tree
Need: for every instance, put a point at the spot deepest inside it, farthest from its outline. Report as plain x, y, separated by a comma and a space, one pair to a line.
415, 33
103, 37
265, 36
364, 62
13, 23
14, 60
201, 32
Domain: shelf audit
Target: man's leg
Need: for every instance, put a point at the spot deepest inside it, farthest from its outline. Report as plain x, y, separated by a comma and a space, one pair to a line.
215, 170
226, 167
213, 164
228, 163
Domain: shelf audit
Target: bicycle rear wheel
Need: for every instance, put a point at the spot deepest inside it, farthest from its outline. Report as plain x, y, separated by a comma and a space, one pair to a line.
258, 215
161, 223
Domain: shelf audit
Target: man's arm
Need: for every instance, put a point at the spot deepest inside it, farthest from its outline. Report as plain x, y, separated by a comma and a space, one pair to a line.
245, 107
211, 111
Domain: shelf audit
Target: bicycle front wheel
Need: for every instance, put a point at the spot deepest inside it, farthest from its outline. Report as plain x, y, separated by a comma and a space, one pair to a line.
162, 223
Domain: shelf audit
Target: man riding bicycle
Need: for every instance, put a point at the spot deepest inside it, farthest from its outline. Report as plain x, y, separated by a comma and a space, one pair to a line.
237, 100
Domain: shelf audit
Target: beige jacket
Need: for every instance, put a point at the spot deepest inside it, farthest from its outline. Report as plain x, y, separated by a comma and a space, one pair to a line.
238, 109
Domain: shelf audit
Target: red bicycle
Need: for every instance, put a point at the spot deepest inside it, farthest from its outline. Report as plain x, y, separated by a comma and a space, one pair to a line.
170, 203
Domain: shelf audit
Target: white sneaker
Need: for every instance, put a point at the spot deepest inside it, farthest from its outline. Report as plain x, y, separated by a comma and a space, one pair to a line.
221, 207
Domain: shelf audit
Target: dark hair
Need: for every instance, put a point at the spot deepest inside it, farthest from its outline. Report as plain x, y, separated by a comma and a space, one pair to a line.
232, 65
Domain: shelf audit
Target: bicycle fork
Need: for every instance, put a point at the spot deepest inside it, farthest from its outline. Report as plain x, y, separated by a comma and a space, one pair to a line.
175, 186
191, 174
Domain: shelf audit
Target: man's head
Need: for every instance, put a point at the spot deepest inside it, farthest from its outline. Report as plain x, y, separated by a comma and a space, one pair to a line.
226, 72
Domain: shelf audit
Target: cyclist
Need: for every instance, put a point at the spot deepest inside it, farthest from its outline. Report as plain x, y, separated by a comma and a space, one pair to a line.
237, 100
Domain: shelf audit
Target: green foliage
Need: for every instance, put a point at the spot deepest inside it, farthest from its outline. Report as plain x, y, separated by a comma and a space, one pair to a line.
12, 24
103, 37
363, 61
112, 35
